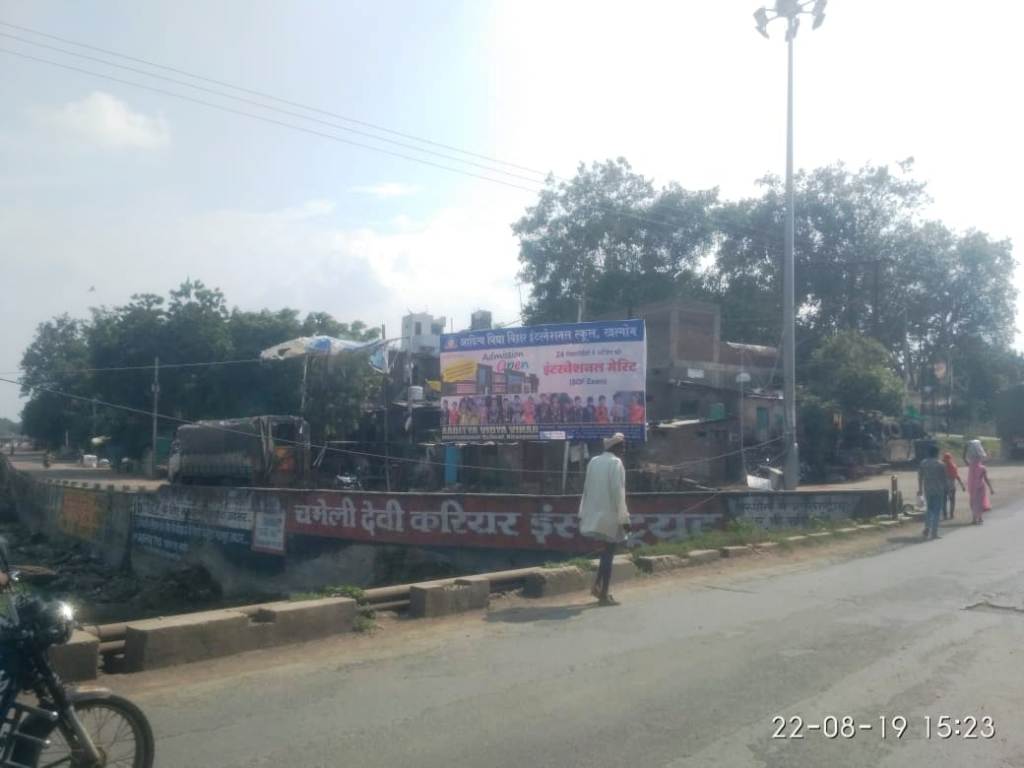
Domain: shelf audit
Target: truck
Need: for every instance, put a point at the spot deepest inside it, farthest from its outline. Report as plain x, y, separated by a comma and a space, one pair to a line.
259, 451
1009, 413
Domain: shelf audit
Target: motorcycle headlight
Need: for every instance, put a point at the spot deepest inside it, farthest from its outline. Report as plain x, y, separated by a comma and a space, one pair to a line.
66, 611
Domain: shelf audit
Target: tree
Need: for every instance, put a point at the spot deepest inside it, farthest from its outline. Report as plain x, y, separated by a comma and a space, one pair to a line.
854, 373
608, 241
53, 363
210, 368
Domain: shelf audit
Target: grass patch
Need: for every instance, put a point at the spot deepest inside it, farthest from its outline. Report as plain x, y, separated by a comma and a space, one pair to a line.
365, 622
738, 533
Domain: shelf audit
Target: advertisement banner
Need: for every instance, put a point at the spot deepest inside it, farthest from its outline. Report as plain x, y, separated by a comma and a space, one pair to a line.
548, 523
578, 381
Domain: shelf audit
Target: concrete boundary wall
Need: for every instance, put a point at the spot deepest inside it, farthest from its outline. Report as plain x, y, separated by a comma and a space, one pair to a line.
156, 643
271, 541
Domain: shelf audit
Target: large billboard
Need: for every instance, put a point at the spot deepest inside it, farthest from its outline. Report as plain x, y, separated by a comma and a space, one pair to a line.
546, 382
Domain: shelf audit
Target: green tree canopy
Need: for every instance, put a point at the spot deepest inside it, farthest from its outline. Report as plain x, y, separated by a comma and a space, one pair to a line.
855, 373
110, 358
608, 240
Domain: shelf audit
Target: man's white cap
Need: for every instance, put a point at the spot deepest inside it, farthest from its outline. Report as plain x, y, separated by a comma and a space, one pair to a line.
611, 442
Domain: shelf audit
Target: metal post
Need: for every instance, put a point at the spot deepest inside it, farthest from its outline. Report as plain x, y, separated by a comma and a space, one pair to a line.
156, 403
949, 402
387, 417
565, 466
302, 395
743, 455
792, 465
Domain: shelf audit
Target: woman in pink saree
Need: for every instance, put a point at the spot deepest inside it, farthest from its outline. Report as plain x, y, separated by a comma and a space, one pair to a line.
978, 485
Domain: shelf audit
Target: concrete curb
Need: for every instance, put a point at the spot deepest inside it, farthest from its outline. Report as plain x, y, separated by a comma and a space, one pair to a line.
696, 556
660, 563
432, 600
736, 551
78, 659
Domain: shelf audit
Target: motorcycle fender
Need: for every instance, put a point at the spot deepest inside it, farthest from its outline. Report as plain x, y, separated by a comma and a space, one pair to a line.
76, 695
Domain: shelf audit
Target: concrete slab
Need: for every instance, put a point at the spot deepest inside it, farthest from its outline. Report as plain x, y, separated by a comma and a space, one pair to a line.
302, 620
847, 531
698, 556
78, 659
820, 535
163, 642
796, 540
736, 551
557, 581
766, 545
623, 567
466, 594
660, 563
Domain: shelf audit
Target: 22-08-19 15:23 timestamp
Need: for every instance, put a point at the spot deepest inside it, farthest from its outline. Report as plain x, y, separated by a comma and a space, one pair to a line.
885, 727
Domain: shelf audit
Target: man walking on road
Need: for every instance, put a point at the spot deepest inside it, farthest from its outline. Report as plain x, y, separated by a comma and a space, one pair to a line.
603, 514
932, 482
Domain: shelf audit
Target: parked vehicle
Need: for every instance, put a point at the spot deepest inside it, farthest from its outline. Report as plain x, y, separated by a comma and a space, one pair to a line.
1009, 408
63, 725
264, 451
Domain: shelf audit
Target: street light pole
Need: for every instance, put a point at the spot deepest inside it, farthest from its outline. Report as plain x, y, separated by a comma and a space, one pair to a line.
790, 11
791, 469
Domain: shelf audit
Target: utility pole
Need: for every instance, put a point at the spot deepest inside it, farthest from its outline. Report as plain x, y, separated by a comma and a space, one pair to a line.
742, 378
791, 468
156, 403
387, 417
790, 10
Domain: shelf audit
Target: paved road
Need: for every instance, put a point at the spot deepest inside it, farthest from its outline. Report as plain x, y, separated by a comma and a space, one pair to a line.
689, 671
32, 463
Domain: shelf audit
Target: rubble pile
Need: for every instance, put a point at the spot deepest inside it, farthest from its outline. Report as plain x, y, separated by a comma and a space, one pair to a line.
100, 592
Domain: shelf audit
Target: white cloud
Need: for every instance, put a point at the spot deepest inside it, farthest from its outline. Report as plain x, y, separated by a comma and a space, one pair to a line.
457, 260
387, 189
101, 119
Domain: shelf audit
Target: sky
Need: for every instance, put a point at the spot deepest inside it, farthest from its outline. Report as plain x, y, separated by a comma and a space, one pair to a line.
108, 190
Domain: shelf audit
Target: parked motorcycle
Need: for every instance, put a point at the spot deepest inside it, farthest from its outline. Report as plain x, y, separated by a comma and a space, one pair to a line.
64, 726
46, 460
348, 483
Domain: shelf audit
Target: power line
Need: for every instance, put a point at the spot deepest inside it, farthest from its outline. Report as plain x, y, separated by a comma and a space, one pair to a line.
262, 105
266, 95
601, 204
270, 120
327, 448
147, 367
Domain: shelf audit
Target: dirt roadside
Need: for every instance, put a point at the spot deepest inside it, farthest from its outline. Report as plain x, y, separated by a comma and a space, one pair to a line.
398, 636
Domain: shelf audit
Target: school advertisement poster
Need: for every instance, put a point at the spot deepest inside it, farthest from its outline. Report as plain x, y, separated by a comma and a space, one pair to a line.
578, 381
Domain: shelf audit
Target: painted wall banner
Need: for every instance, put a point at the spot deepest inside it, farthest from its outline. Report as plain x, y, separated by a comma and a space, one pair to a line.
577, 381
81, 514
268, 531
167, 522
502, 522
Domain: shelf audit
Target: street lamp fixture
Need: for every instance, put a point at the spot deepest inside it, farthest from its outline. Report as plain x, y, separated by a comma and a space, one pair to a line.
790, 11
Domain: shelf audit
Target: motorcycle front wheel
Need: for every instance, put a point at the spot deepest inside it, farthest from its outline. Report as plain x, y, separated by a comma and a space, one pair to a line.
119, 730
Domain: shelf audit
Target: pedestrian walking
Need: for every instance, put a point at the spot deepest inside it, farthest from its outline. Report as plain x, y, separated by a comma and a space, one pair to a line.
603, 513
931, 482
952, 480
978, 485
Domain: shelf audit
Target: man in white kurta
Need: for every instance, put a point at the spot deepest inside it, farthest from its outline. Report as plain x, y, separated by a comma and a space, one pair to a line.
603, 514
